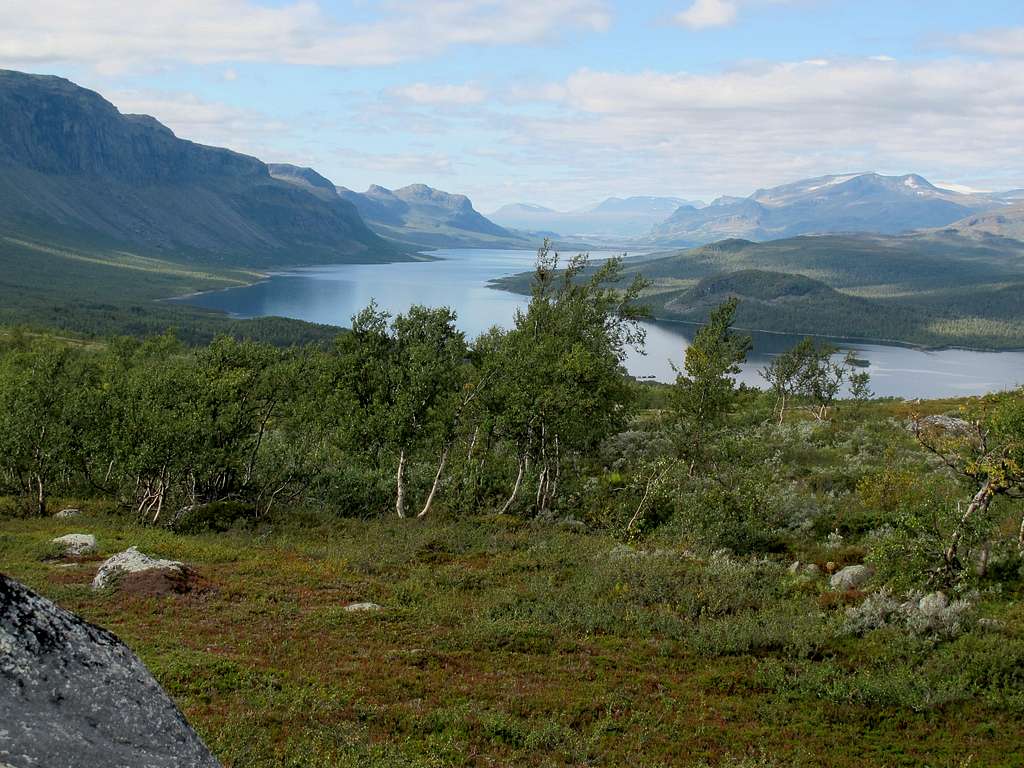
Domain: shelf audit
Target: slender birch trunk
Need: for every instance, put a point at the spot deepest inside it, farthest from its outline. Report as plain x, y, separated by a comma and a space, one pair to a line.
979, 503
515, 488
437, 482
40, 496
400, 485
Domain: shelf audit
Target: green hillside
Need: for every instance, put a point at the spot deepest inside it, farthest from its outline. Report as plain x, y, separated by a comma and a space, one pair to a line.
95, 291
935, 289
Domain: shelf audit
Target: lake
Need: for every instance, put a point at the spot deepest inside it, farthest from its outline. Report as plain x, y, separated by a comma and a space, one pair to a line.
459, 277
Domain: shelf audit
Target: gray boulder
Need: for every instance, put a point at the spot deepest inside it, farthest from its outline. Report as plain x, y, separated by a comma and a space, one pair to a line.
77, 544
948, 424
851, 577
69, 513
132, 561
72, 694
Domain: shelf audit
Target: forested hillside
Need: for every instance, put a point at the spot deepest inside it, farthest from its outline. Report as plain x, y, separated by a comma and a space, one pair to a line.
932, 289
92, 292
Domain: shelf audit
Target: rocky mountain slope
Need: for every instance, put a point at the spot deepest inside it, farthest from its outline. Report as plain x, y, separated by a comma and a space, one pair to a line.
421, 215
1004, 222
864, 202
74, 170
613, 217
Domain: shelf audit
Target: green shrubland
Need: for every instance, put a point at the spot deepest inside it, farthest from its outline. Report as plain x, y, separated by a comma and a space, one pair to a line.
574, 568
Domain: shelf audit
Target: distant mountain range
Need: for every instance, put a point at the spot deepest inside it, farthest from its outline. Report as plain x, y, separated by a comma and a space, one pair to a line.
858, 202
862, 202
612, 218
74, 170
423, 216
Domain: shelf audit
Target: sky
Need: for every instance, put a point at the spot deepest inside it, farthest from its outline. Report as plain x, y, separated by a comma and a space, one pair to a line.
560, 102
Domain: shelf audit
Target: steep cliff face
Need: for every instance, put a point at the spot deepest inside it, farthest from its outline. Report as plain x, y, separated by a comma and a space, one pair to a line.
72, 167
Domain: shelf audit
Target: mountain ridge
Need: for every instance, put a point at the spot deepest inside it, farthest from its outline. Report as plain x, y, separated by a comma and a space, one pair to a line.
74, 169
841, 203
616, 217
425, 216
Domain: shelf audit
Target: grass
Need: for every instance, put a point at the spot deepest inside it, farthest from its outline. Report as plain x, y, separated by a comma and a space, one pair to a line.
504, 642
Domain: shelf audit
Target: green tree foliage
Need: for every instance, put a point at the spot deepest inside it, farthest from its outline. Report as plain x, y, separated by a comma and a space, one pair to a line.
809, 377
705, 390
986, 451
44, 414
558, 386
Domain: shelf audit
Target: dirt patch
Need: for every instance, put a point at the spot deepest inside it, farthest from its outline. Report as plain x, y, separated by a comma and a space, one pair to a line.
160, 582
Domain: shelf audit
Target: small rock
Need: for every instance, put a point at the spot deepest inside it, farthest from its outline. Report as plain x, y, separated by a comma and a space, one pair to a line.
949, 424
807, 569
572, 524
70, 512
851, 577
990, 625
932, 604
359, 607
76, 544
132, 561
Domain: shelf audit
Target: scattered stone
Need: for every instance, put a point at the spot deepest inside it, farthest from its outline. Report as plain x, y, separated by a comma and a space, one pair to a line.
807, 569
73, 694
572, 524
363, 607
77, 544
131, 561
950, 424
70, 512
932, 604
851, 577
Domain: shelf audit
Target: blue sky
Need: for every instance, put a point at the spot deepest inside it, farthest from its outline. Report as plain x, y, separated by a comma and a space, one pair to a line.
561, 102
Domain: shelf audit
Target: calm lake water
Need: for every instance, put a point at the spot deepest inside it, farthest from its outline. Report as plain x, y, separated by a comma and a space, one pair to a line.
332, 294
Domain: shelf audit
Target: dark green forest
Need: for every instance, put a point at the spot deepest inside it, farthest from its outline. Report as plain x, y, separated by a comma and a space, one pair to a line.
928, 289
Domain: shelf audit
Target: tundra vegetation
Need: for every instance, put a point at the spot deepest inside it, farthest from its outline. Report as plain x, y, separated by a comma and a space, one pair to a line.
574, 568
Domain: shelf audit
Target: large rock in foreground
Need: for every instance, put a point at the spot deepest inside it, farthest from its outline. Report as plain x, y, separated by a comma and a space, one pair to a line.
72, 694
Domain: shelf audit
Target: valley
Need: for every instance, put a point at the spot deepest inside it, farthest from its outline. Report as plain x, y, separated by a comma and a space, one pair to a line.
511, 383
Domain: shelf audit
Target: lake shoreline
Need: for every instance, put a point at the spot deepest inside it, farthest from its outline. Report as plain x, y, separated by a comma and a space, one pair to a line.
328, 294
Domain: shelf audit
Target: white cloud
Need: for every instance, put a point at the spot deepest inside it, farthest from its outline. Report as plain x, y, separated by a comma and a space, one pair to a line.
707, 13
1008, 41
736, 130
400, 168
112, 35
206, 122
448, 94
